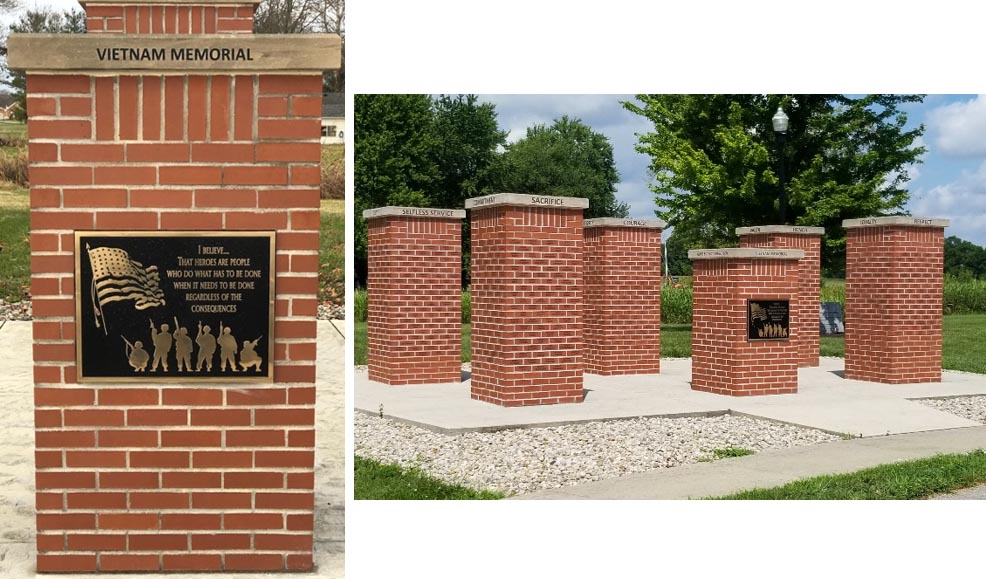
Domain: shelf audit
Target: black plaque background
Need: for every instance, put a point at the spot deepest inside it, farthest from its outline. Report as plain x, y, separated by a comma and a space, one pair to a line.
778, 311
102, 356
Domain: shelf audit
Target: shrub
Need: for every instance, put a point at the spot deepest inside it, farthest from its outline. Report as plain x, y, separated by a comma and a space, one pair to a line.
676, 305
965, 296
333, 180
13, 168
359, 305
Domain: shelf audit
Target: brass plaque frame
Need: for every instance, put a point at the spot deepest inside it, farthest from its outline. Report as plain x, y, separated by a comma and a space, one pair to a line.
265, 377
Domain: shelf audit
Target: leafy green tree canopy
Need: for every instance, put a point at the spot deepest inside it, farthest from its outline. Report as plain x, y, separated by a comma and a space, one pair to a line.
715, 161
964, 258
565, 159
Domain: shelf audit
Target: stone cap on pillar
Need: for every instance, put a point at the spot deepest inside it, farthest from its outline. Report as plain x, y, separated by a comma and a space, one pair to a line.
793, 229
904, 220
620, 222
427, 212
745, 253
527, 200
120, 53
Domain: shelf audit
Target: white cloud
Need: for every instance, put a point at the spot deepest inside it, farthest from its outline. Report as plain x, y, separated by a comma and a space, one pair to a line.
957, 129
963, 201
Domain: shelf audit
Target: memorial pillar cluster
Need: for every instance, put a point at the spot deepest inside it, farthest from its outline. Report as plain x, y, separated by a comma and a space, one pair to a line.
744, 336
414, 314
808, 240
894, 291
527, 298
622, 296
183, 137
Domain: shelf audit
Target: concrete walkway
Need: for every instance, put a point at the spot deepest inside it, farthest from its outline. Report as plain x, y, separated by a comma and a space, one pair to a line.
776, 467
17, 547
825, 400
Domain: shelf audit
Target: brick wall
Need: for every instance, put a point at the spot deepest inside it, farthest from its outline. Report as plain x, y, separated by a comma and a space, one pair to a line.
622, 296
808, 240
724, 359
148, 476
894, 287
170, 19
527, 266
414, 324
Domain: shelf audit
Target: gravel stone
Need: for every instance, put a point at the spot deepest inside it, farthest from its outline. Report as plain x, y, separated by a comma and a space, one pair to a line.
331, 312
17, 311
526, 460
971, 407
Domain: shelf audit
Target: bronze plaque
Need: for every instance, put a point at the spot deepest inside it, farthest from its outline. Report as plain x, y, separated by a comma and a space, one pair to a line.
769, 319
174, 306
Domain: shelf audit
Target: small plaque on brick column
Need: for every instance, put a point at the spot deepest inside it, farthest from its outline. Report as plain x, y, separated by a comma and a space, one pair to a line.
769, 319
183, 306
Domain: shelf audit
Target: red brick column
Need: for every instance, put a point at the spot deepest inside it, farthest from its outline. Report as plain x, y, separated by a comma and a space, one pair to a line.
414, 324
622, 296
808, 240
894, 287
724, 359
174, 477
527, 265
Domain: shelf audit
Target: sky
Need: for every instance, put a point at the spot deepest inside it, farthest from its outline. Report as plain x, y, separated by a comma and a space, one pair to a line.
950, 183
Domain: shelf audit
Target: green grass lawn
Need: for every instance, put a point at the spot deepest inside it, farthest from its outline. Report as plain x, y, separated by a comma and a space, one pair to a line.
913, 479
332, 252
964, 343
15, 249
374, 480
13, 128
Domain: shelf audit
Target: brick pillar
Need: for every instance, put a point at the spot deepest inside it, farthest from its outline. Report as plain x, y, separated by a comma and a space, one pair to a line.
622, 296
527, 264
894, 287
808, 240
414, 325
173, 476
725, 359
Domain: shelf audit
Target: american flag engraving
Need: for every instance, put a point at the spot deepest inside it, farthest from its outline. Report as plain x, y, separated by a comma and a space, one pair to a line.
116, 277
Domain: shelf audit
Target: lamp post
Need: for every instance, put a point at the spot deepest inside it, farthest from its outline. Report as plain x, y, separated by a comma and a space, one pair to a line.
780, 130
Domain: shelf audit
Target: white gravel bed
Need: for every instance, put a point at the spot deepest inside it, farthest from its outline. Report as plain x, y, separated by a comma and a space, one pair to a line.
971, 407
526, 460
331, 312
20, 311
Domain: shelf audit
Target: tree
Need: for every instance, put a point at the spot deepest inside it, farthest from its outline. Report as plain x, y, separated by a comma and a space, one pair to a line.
394, 156
964, 258
38, 21
8, 6
466, 141
565, 159
677, 254
714, 161
306, 16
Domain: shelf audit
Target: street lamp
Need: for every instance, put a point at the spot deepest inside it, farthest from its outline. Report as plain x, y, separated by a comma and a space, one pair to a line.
780, 130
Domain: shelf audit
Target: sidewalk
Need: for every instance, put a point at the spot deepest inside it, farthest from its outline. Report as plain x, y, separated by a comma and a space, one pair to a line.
17, 547
777, 467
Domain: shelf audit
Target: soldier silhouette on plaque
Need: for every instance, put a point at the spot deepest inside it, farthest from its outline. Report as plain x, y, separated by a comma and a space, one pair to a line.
137, 355
183, 348
228, 347
162, 345
249, 356
207, 347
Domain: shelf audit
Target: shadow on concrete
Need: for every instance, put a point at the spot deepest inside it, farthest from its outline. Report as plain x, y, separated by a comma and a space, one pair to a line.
839, 373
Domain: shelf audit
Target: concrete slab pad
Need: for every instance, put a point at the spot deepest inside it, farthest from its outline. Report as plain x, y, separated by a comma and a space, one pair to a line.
825, 401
